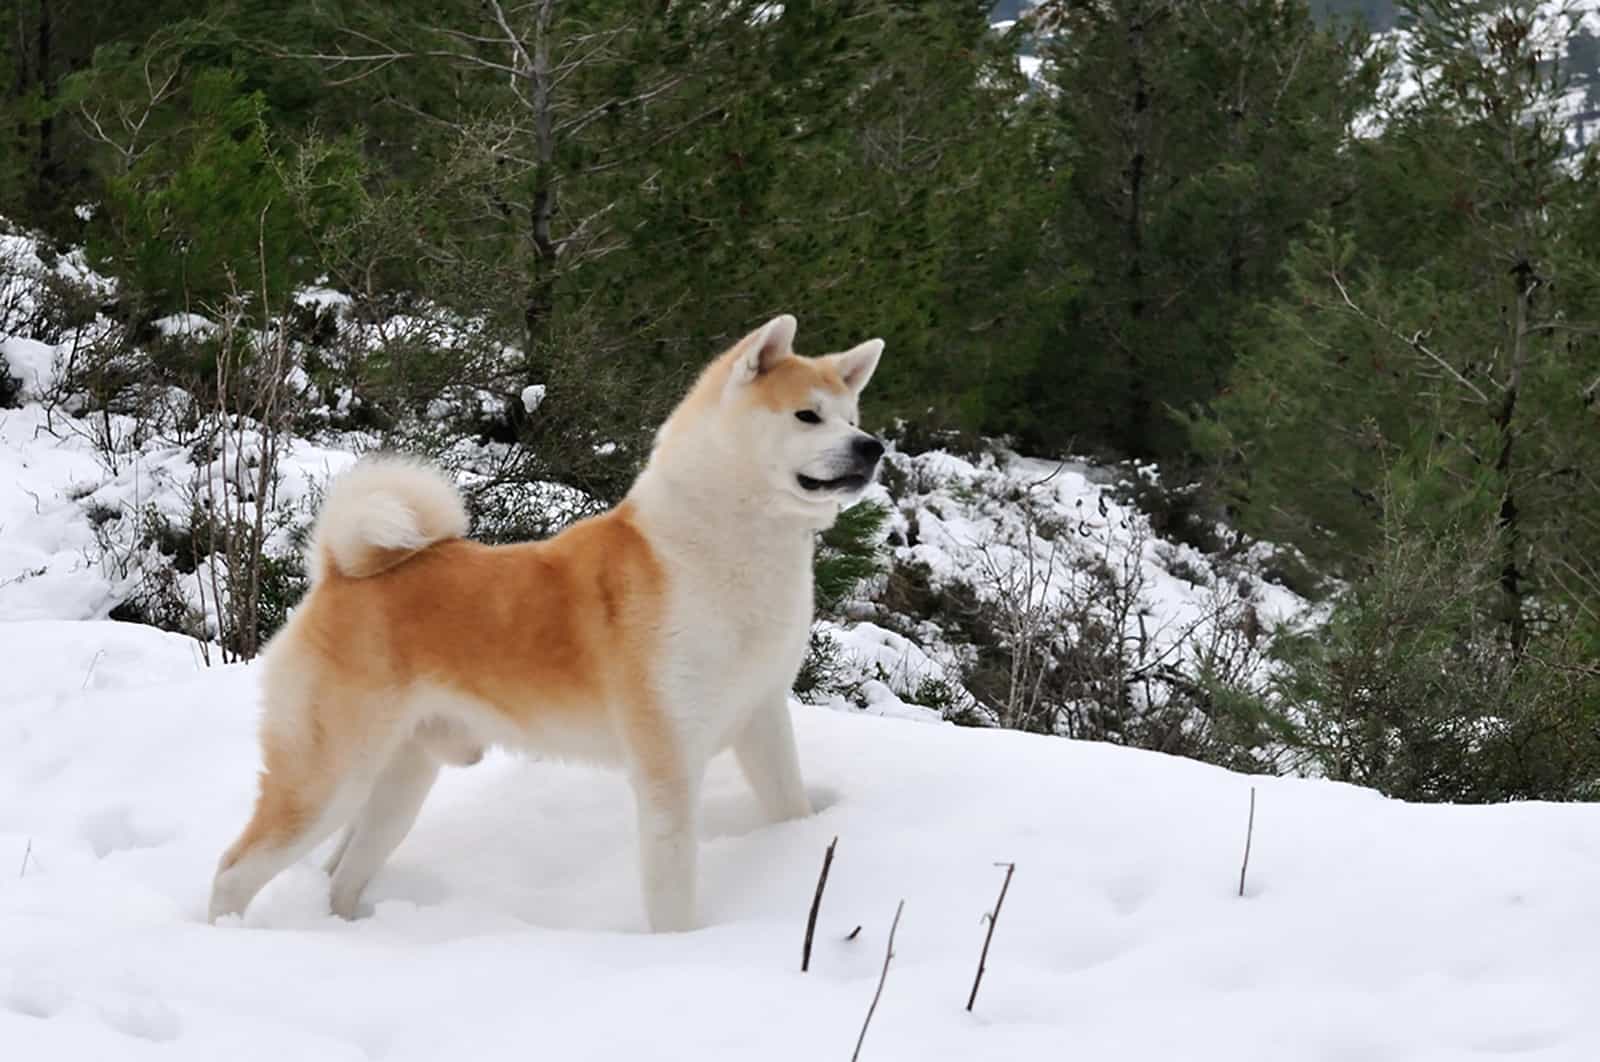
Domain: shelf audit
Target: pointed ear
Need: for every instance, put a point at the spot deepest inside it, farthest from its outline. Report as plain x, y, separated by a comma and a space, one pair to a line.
763, 348
857, 364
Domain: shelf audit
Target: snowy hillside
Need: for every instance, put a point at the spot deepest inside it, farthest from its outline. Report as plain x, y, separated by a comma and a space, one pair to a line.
508, 925
110, 513
1053, 551
1560, 20
1557, 22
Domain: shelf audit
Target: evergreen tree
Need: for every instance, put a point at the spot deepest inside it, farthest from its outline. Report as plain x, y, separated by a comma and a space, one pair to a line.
1427, 386
1202, 138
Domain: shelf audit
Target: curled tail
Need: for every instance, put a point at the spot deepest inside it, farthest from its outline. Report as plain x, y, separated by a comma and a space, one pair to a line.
381, 512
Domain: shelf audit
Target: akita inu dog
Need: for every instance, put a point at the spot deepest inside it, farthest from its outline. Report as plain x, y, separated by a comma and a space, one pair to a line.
650, 637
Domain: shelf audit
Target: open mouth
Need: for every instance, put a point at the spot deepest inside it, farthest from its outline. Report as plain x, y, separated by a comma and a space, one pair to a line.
853, 482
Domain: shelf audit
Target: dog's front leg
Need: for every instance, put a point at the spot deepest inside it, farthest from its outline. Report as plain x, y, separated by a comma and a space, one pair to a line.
766, 752
668, 803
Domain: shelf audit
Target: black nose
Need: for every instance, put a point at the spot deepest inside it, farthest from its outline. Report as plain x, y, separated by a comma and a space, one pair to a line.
868, 449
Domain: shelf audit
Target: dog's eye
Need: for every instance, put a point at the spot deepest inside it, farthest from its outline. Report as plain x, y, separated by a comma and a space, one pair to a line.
808, 416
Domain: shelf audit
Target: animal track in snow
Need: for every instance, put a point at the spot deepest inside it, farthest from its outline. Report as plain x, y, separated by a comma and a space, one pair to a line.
35, 997
113, 829
1128, 893
143, 1018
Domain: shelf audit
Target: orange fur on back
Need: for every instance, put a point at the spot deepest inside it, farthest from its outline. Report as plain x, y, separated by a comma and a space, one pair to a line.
529, 627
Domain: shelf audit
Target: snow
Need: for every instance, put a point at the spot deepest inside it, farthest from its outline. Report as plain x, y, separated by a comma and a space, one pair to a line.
1037, 542
46, 543
71, 527
890, 669
28, 360
91, 656
84, 497
184, 325
970, 517
1554, 23
508, 925
322, 299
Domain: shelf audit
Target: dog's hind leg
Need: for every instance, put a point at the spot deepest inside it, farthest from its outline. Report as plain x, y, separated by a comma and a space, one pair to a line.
384, 821
766, 753
289, 821
319, 765
445, 743
339, 849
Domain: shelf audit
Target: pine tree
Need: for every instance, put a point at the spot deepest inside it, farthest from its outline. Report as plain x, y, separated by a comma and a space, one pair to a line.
1202, 137
1427, 388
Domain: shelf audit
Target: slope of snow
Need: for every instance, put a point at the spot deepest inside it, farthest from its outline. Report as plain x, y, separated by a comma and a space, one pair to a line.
508, 925
1554, 24
56, 488
1058, 547
82, 489
85, 497
52, 659
995, 515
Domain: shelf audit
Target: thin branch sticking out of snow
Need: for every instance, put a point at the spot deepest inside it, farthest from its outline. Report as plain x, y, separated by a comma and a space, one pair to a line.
888, 953
1249, 834
992, 917
816, 903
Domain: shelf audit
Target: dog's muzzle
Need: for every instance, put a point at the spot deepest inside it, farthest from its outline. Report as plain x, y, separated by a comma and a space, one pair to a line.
865, 453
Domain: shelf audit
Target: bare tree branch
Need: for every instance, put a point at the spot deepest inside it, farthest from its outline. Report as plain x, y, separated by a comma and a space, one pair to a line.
993, 917
888, 954
1414, 342
816, 904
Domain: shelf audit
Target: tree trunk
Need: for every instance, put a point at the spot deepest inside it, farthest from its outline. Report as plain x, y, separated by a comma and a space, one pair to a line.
46, 122
44, 169
541, 289
1140, 406
1511, 588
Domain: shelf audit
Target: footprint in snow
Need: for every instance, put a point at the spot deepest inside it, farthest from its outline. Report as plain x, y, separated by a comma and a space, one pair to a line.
1519, 1043
34, 997
113, 829
1128, 893
143, 1018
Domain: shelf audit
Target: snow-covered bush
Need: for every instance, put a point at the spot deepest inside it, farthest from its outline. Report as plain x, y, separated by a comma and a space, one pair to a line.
1042, 600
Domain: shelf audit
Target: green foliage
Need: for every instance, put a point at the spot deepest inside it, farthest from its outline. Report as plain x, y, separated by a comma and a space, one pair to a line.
10, 387
848, 554
1413, 690
201, 211
1383, 347
1415, 414
1197, 154
824, 673
283, 583
1449, 369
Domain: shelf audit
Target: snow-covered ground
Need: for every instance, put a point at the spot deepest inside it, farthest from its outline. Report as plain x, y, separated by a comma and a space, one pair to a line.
84, 491
1052, 547
508, 925
57, 489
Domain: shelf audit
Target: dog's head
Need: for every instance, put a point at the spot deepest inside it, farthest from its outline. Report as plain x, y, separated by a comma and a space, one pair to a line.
774, 421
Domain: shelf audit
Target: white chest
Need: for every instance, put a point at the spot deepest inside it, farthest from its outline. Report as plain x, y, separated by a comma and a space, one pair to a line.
736, 634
